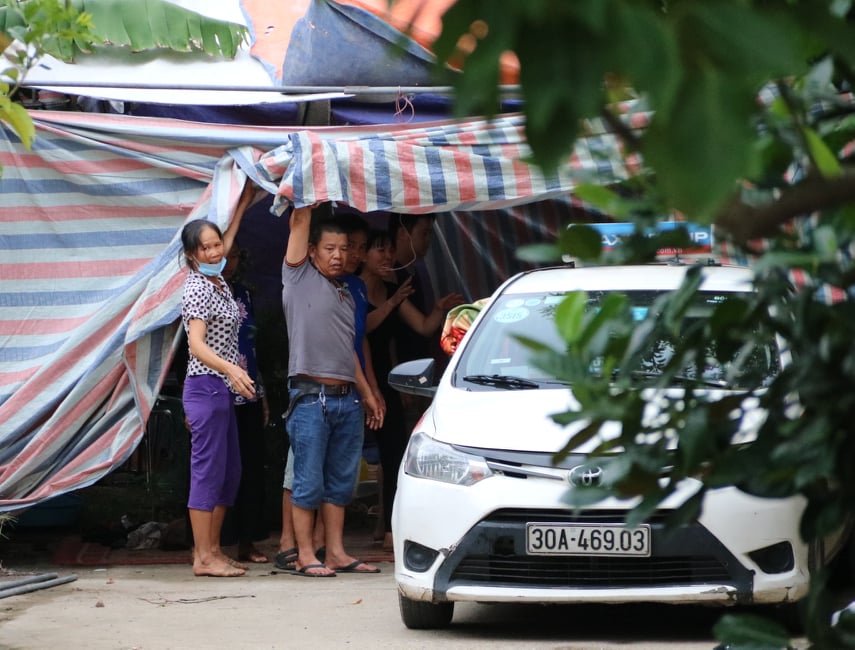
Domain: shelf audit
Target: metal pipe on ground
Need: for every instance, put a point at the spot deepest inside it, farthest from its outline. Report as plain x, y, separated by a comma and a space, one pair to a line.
33, 583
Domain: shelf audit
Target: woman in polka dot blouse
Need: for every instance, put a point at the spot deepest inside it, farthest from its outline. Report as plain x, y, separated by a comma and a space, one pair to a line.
211, 320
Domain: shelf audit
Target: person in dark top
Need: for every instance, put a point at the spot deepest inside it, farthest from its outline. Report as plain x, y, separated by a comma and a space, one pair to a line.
411, 237
389, 311
245, 523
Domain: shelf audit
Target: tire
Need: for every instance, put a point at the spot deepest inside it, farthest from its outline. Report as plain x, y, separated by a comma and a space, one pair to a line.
816, 556
789, 615
842, 566
423, 615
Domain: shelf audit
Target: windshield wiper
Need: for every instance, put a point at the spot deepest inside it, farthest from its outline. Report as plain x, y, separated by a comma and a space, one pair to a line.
501, 381
681, 380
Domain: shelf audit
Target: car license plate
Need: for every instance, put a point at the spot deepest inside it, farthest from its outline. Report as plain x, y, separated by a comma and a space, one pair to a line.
587, 539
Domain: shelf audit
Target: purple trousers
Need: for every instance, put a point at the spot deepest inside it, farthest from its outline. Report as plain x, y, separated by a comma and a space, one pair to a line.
214, 445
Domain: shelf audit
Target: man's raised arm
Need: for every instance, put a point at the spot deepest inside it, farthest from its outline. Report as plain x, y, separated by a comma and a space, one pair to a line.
298, 239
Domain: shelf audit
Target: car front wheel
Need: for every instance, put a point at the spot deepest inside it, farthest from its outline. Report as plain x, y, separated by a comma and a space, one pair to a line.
422, 615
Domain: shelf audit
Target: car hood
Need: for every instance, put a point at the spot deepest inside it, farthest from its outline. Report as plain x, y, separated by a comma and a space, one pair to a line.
519, 420
501, 419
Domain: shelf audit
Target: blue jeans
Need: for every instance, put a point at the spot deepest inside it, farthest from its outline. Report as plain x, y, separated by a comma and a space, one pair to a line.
326, 435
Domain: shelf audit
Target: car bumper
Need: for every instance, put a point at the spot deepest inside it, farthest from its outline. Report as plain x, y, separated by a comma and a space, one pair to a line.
455, 543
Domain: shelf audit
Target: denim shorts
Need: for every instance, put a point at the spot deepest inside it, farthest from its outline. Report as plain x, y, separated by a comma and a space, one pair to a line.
326, 436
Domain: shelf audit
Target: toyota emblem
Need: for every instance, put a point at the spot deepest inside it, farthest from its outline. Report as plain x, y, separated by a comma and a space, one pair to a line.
585, 476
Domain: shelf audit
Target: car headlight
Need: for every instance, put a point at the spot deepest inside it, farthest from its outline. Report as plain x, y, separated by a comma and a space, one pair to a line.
437, 461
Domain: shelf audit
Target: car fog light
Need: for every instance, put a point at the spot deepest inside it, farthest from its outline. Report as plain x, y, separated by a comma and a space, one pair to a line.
777, 558
417, 557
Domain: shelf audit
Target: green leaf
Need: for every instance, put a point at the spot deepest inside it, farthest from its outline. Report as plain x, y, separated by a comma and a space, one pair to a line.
581, 241
647, 50
583, 497
455, 22
605, 199
579, 438
209, 38
828, 31
695, 442
535, 345
675, 304
593, 14
159, 22
703, 149
652, 496
821, 155
553, 110
776, 260
539, 253
689, 511
612, 308
109, 22
16, 116
137, 25
569, 315
765, 44
481, 70
750, 631
177, 31
152, 24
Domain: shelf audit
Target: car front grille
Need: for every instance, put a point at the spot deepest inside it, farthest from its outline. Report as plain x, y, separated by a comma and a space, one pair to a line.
493, 553
590, 571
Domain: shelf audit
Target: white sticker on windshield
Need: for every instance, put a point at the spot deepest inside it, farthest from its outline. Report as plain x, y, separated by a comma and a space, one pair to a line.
511, 315
514, 302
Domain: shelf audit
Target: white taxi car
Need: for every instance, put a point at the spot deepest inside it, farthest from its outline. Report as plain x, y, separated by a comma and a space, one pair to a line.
480, 513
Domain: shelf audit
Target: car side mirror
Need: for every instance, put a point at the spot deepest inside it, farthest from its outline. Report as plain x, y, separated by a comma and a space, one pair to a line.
414, 377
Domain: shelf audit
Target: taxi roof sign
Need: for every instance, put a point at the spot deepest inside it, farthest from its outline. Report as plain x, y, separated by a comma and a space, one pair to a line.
612, 234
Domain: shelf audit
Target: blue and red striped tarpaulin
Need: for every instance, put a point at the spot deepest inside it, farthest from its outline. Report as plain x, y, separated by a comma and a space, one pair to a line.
90, 279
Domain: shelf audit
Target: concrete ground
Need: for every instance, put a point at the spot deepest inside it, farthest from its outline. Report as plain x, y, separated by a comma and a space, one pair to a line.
163, 606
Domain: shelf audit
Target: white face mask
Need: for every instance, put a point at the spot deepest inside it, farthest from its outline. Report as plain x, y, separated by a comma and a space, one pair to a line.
212, 270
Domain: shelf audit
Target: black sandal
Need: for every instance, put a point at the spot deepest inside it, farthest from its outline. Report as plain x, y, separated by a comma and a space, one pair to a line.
286, 560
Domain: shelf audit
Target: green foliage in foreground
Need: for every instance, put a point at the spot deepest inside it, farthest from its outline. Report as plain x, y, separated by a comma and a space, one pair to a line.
752, 130
698, 66
137, 24
806, 445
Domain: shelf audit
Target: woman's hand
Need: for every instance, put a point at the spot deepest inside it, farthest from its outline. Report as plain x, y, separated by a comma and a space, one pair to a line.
447, 302
404, 291
240, 381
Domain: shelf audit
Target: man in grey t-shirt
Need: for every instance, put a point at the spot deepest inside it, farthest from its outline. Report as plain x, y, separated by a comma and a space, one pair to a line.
325, 421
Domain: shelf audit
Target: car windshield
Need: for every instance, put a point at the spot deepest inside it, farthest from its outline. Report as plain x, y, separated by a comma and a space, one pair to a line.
495, 359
